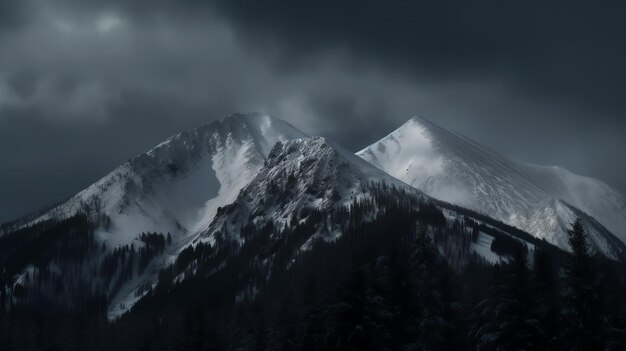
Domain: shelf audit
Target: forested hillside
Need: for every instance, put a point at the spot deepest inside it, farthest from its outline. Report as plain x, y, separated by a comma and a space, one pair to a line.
400, 277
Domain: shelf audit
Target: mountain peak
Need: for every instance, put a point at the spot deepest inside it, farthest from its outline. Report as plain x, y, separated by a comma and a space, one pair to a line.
299, 175
419, 120
177, 185
456, 169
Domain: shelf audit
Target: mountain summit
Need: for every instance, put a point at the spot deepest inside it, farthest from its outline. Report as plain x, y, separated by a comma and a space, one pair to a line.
174, 189
300, 176
538, 199
178, 185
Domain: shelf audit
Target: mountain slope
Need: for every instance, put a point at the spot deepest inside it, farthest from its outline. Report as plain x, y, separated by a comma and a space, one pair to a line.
178, 185
301, 175
315, 182
257, 192
299, 180
540, 200
313, 198
173, 191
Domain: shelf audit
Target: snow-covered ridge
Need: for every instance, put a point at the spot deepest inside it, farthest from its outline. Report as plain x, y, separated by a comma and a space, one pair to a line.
178, 185
296, 175
300, 174
176, 188
214, 179
537, 199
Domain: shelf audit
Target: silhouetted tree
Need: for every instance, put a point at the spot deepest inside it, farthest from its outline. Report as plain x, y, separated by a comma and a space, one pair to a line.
582, 315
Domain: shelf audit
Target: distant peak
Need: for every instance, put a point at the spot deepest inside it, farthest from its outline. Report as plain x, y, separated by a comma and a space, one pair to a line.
419, 119
418, 126
423, 122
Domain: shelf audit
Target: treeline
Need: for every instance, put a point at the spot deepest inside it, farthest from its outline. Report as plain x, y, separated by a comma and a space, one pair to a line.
58, 267
47, 264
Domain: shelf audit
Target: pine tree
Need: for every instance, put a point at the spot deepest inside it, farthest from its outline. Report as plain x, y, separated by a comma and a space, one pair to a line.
505, 318
582, 316
428, 295
519, 328
348, 324
546, 290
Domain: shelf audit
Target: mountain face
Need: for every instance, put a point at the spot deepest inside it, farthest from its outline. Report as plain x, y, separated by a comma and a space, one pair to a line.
173, 190
315, 184
538, 199
177, 186
301, 175
243, 199
246, 232
312, 196
195, 186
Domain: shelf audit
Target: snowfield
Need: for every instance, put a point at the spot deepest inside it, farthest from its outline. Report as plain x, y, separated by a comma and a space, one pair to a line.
538, 199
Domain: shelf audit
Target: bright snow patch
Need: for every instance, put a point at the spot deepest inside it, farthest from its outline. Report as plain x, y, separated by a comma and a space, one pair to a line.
450, 167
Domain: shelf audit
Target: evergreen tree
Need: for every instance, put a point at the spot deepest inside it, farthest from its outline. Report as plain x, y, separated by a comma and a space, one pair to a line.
546, 291
347, 326
425, 266
505, 318
519, 327
582, 315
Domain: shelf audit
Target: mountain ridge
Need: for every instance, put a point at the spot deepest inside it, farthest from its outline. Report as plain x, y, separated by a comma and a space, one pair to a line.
309, 172
218, 183
203, 150
451, 167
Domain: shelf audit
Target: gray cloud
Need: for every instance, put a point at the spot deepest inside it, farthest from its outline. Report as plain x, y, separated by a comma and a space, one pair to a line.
12, 13
85, 85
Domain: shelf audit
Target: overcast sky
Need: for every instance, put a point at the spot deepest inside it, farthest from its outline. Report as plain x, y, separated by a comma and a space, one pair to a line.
87, 84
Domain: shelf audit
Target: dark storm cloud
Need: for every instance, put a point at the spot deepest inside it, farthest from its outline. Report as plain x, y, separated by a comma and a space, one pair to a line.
87, 84
561, 47
12, 13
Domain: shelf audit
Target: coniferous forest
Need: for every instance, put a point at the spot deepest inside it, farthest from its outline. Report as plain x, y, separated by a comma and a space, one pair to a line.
402, 279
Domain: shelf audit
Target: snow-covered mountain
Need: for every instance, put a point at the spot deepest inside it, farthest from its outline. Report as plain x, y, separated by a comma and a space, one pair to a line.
299, 175
177, 186
538, 199
251, 181
313, 191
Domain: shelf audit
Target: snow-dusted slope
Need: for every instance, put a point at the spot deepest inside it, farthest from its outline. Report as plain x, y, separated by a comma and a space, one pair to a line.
540, 200
178, 186
298, 176
301, 174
